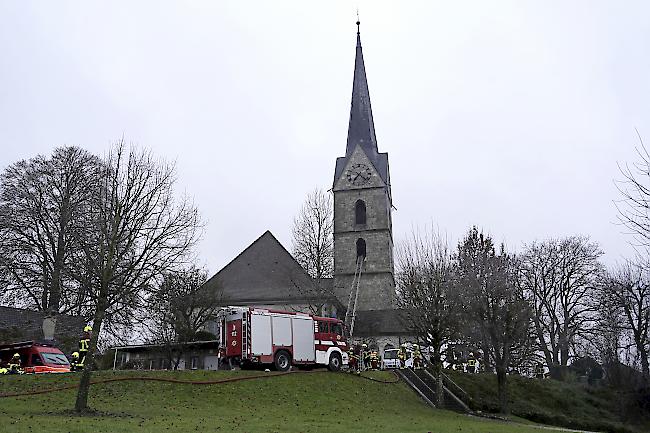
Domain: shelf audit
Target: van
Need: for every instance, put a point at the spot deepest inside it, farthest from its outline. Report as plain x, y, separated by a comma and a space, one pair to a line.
391, 359
35, 357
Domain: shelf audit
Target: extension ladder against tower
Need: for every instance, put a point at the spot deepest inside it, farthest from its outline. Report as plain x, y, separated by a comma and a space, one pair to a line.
351, 313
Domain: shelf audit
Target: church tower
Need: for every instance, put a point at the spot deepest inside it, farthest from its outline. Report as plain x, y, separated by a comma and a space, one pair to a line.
363, 230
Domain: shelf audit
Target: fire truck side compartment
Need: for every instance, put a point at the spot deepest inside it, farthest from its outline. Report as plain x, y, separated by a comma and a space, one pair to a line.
303, 339
281, 331
261, 335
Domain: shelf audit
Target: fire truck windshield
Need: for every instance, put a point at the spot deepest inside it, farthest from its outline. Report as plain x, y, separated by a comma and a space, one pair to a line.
337, 328
54, 358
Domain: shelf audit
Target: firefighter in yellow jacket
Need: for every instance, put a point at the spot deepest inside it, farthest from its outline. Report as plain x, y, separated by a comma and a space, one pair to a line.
417, 357
74, 362
14, 365
84, 344
401, 356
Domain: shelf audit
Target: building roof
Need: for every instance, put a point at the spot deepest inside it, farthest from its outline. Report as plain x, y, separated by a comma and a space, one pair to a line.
379, 323
19, 323
361, 128
265, 272
204, 344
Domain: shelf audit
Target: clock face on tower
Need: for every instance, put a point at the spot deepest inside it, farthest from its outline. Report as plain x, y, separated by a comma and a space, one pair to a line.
359, 174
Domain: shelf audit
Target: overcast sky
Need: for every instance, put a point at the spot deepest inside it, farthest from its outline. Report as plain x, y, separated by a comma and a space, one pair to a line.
511, 115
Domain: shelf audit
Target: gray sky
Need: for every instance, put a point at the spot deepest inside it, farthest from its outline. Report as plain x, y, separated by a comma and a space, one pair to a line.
510, 115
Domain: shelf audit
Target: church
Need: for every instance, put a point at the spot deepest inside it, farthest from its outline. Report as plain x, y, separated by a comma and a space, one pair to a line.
266, 275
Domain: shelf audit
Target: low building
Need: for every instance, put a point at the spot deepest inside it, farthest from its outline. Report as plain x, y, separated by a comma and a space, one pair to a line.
195, 355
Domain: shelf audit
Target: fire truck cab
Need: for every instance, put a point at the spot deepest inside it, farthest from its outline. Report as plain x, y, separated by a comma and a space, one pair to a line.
258, 336
36, 357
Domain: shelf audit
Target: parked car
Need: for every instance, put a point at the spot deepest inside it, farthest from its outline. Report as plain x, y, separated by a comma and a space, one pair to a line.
36, 357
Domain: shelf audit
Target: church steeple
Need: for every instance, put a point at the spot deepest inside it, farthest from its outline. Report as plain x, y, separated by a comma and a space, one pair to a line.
361, 129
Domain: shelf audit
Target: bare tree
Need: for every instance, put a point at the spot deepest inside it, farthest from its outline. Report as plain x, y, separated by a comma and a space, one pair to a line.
628, 290
493, 302
560, 277
42, 201
424, 284
137, 232
178, 311
313, 246
634, 207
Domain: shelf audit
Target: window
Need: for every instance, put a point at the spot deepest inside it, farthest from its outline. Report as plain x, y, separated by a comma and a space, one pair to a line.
323, 327
337, 328
54, 358
360, 212
194, 363
36, 360
361, 248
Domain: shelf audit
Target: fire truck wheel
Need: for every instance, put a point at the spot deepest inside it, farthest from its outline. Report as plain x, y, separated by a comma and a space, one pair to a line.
282, 360
335, 362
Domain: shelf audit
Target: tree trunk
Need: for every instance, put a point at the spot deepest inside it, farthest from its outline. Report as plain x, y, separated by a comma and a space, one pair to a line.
440, 391
643, 354
486, 358
81, 404
502, 389
437, 372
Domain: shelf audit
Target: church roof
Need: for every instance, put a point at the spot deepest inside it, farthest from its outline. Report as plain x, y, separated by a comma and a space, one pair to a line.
265, 272
361, 129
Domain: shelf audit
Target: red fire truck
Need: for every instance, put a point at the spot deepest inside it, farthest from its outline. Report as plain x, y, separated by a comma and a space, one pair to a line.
258, 336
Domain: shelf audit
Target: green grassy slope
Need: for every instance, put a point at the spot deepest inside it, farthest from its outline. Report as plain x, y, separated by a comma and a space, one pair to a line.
548, 401
314, 402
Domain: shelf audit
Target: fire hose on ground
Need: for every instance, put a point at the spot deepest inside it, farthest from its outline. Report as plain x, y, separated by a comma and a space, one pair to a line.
182, 382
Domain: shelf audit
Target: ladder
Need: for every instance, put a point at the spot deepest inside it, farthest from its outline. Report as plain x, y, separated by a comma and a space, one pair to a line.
351, 313
244, 336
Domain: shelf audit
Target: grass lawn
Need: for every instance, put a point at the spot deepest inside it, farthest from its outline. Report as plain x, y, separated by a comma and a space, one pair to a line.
549, 401
314, 402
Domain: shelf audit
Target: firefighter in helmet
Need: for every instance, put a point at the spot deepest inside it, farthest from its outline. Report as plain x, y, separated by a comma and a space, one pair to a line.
471, 364
401, 356
14, 365
417, 357
354, 359
374, 360
74, 362
365, 357
84, 344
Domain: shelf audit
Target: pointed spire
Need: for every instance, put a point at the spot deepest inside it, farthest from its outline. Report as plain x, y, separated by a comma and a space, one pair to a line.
361, 129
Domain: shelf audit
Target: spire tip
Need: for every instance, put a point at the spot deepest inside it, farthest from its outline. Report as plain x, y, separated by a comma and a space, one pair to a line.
358, 21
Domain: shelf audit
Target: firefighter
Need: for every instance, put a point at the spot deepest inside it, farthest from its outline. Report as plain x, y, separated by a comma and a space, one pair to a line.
14, 365
74, 362
354, 359
84, 344
365, 357
374, 360
471, 365
417, 357
401, 356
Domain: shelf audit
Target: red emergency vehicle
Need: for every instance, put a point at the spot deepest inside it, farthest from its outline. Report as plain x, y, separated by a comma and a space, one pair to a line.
36, 357
258, 336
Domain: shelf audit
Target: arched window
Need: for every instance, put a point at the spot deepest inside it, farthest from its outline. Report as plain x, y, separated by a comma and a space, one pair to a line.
361, 248
360, 212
